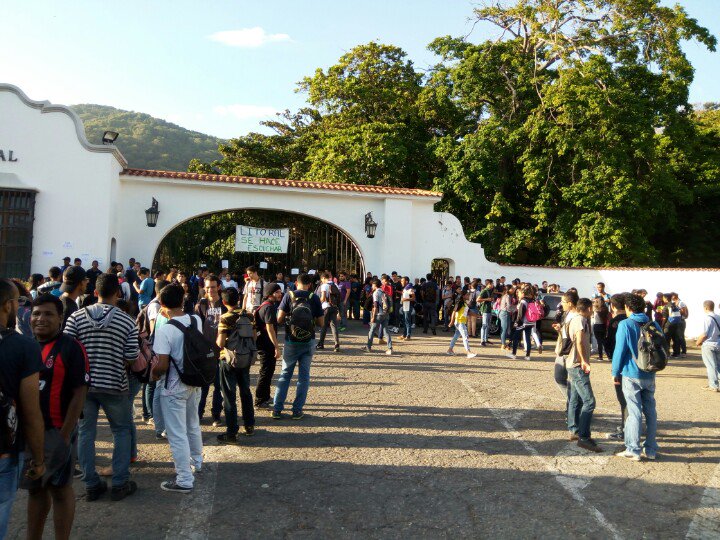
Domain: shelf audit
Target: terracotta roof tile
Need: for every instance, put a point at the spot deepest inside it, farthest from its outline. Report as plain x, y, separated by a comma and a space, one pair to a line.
221, 178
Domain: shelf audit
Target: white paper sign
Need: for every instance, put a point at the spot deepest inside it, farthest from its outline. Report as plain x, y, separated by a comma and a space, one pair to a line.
311, 272
225, 263
263, 265
294, 271
260, 240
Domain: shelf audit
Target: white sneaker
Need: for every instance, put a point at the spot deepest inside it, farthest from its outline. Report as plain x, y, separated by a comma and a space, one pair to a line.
511, 355
651, 457
527, 358
389, 352
629, 455
471, 355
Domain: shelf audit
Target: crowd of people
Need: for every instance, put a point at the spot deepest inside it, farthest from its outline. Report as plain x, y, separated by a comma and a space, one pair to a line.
77, 341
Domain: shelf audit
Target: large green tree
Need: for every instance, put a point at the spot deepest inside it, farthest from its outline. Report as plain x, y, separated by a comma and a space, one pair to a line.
579, 106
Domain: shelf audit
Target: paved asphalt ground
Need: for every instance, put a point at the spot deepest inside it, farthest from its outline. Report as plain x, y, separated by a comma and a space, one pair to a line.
423, 445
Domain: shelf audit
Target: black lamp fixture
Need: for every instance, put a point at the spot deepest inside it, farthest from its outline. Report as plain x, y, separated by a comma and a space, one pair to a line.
370, 225
109, 137
152, 213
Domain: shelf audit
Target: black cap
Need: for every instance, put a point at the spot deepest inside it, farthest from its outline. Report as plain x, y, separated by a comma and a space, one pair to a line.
270, 288
73, 276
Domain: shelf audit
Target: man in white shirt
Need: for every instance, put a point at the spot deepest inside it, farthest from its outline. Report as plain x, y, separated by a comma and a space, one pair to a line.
709, 340
330, 310
228, 282
179, 402
253, 291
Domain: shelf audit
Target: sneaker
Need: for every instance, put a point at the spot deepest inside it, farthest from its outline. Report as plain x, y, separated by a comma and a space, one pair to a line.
651, 457
629, 455
527, 358
511, 356
483, 343
127, 489
249, 431
276, 415
196, 469
540, 349
226, 438
94, 493
412, 326
320, 347
77, 473
342, 329
218, 423
160, 436
298, 415
172, 485
336, 349
711, 388
366, 349
388, 352
589, 444
616, 436
434, 332
133, 460
573, 437
470, 355
150, 421
264, 404
450, 352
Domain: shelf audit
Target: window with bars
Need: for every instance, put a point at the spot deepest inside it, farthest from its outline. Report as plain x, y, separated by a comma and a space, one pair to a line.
17, 213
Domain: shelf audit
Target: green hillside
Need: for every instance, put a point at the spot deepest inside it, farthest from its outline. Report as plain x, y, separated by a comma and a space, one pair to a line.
148, 142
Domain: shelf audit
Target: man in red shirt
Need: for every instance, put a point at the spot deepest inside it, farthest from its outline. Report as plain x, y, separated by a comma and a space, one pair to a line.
64, 379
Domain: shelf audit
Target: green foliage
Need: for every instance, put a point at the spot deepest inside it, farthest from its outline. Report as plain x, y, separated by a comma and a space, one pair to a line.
566, 140
147, 142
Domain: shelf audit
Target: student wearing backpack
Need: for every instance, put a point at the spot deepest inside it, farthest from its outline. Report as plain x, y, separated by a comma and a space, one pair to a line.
709, 341
178, 401
330, 299
379, 316
236, 329
267, 343
300, 310
210, 309
523, 325
638, 386
253, 291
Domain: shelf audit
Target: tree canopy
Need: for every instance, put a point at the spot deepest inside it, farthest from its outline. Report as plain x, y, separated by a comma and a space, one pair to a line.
565, 139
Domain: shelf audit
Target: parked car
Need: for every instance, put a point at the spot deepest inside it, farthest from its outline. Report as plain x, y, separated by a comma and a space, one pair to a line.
552, 304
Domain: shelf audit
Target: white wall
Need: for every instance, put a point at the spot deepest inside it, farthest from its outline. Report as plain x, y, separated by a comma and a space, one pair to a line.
70, 176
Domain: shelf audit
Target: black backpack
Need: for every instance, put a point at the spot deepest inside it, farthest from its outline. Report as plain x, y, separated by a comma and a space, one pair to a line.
335, 297
240, 348
300, 322
200, 356
8, 413
429, 293
652, 348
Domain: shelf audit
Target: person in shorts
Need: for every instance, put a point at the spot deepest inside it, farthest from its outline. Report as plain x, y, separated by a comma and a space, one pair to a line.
64, 380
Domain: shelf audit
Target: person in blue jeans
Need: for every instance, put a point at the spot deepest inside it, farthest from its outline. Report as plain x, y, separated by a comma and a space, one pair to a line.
408, 299
638, 386
301, 311
20, 364
709, 341
379, 317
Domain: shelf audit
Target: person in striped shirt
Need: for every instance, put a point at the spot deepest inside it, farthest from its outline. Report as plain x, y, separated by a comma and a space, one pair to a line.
110, 339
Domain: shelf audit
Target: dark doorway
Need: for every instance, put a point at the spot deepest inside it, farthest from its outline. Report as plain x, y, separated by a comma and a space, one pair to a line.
440, 270
210, 239
17, 213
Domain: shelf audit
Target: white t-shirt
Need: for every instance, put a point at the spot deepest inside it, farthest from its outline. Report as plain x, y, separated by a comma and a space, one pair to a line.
711, 329
406, 299
169, 340
378, 298
325, 288
229, 284
253, 294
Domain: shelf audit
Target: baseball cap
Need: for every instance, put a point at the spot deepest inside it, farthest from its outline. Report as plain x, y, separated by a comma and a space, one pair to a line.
270, 288
72, 277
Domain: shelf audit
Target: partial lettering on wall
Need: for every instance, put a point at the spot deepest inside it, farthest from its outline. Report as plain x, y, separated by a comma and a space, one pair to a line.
7, 155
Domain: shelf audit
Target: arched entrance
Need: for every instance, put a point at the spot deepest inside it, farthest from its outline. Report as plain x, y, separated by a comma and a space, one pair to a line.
207, 240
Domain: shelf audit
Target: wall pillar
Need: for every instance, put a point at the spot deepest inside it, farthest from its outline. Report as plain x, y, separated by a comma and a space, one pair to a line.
397, 244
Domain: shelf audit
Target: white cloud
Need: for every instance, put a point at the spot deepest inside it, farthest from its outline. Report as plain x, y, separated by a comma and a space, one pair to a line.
249, 38
244, 112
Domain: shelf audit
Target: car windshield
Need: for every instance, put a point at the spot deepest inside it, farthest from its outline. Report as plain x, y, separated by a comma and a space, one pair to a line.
552, 302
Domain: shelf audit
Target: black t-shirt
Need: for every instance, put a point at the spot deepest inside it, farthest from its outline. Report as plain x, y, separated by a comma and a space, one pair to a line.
397, 291
286, 307
92, 275
210, 313
355, 288
19, 358
69, 307
266, 316
62, 372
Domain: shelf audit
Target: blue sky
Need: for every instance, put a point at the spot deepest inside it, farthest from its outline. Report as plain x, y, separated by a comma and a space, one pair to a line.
220, 66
